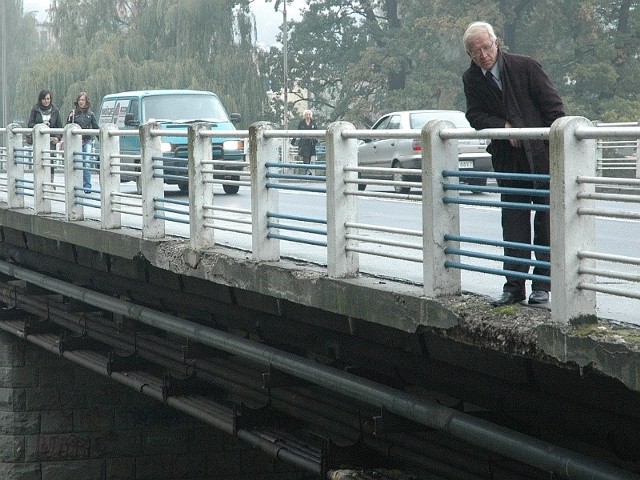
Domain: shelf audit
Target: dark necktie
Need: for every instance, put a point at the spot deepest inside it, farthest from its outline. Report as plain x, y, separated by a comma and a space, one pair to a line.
492, 81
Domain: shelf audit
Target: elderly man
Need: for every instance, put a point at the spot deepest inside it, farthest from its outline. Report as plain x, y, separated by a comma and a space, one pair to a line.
505, 90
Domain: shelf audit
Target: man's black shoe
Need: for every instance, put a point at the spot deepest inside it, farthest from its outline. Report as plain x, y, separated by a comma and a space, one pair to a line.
538, 296
507, 298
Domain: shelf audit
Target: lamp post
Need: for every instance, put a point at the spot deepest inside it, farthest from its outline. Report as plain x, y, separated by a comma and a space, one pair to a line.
285, 68
3, 64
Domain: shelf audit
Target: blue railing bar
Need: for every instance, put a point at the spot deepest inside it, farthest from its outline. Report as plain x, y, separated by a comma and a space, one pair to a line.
495, 271
533, 177
171, 168
502, 190
285, 216
171, 219
489, 203
25, 194
497, 258
163, 158
299, 188
499, 243
24, 181
184, 203
294, 228
297, 240
24, 163
172, 210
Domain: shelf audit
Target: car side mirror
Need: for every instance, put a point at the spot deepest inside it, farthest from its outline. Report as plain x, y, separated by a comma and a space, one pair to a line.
130, 121
235, 117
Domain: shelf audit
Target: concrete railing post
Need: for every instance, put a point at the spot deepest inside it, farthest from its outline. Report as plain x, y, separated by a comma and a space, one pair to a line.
570, 231
263, 199
109, 180
41, 205
342, 208
200, 186
72, 175
638, 156
438, 218
15, 168
150, 187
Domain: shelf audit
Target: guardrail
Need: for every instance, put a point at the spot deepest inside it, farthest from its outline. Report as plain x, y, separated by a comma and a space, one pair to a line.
437, 245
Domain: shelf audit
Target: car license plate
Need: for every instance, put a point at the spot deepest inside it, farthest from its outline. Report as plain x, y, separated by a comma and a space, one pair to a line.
464, 164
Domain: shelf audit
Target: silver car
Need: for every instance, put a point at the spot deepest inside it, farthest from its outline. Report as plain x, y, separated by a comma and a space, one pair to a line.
407, 153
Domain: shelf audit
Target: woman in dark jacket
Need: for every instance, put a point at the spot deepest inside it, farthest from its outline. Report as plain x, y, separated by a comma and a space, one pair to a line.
44, 111
85, 118
306, 145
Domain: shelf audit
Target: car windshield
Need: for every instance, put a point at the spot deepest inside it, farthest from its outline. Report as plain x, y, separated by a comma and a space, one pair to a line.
418, 119
183, 108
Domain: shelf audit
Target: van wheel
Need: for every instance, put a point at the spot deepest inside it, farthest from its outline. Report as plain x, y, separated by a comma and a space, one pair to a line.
231, 189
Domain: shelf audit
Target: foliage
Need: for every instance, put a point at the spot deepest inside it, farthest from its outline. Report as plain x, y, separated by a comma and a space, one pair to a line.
18, 54
351, 60
112, 45
373, 56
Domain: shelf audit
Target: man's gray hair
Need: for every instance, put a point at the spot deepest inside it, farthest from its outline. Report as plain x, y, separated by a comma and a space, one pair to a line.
475, 29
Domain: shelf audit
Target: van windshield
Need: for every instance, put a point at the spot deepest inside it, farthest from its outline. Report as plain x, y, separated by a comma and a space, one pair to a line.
183, 108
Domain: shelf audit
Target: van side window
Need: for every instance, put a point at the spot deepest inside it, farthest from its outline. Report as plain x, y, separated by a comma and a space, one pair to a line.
133, 109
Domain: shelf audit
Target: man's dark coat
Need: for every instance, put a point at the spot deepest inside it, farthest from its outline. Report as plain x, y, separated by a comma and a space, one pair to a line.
529, 99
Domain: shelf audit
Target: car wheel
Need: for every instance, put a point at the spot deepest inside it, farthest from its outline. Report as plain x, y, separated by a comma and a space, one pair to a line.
397, 177
231, 189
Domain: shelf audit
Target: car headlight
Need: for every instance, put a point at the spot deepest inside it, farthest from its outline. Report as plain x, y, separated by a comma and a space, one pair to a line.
237, 145
165, 147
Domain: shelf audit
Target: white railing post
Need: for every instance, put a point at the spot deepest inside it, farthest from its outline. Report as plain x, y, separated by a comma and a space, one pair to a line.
109, 180
200, 187
72, 175
342, 208
263, 199
15, 169
638, 156
40, 143
150, 187
438, 218
570, 231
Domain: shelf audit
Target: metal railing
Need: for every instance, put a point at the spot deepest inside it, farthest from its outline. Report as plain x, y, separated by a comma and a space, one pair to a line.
436, 244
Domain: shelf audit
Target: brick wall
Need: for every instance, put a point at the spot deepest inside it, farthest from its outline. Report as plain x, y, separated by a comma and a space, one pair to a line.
59, 421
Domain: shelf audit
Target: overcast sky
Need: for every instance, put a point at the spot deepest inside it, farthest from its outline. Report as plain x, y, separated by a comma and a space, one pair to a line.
268, 21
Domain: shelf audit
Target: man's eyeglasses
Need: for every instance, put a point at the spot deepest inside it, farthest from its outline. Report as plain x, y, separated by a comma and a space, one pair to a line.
481, 50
